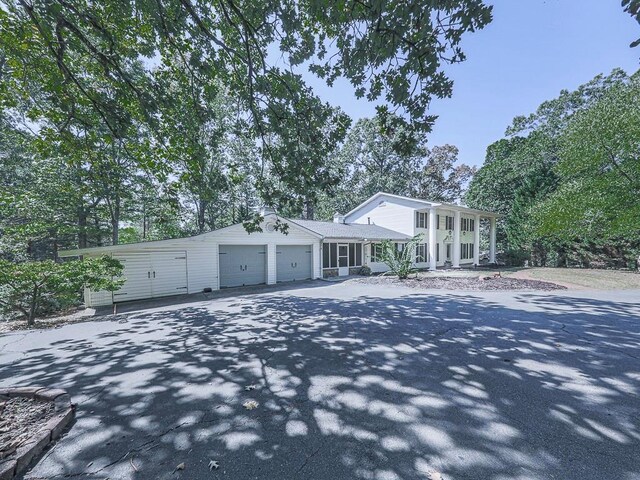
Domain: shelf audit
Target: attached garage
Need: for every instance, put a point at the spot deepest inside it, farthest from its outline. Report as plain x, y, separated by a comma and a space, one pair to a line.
294, 262
152, 274
242, 265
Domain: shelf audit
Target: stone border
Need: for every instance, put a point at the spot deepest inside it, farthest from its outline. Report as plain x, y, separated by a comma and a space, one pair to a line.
65, 412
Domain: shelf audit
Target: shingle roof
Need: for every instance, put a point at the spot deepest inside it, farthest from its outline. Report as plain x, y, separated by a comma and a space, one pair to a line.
350, 230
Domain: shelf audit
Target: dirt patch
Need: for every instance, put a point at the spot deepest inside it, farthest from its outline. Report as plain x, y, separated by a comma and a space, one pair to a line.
21, 418
426, 282
76, 315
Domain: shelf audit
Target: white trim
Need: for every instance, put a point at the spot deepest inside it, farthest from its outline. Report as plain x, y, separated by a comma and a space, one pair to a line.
422, 204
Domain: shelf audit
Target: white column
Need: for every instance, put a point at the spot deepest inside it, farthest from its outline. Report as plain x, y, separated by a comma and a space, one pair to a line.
476, 241
433, 238
317, 260
272, 275
492, 240
456, 239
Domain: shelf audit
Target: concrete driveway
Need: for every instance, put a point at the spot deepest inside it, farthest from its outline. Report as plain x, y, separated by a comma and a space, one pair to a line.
352, 382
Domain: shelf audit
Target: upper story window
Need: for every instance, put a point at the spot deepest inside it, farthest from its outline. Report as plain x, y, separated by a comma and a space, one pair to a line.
468, 224
422, 220
448, 223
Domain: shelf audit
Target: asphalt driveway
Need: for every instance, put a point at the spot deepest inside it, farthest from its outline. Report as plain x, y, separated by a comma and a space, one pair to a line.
357, 382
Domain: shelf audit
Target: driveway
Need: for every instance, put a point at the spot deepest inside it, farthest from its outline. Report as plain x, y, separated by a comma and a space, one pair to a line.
352, 382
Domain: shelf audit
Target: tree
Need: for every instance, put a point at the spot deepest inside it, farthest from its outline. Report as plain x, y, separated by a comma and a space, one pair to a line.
600, 165
33, 288
440, 179
73, 61
371, 161
520, 172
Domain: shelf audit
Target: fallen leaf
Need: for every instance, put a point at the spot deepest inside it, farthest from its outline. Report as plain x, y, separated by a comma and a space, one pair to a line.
250, 404
180, 466
213, 464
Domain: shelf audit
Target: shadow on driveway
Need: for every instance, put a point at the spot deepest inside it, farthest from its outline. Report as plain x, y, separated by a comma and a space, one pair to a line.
504, 386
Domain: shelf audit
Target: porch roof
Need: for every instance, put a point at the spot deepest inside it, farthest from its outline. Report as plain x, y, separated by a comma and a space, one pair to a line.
351, 231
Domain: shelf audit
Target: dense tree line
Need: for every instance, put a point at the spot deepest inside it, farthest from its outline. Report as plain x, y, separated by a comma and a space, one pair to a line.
566, 178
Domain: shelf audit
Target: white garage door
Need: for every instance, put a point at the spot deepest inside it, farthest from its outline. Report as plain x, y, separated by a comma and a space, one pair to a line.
242, 265
293, 262
152, 274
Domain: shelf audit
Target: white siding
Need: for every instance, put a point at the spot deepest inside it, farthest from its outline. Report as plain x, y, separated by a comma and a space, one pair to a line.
272, 274
97, 299
393, 214
202, 266
317, 264
202, 255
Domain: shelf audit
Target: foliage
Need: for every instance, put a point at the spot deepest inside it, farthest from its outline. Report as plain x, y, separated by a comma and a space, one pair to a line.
600, 162
35, 288
523, 172
400, 262
632, 7
115, 73
369, 162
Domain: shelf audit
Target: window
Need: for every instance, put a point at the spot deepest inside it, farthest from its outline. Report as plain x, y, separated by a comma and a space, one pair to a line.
421, 253
376, 251
468, 224
329, 255
448, 223
350, 255
466, 251
421, 220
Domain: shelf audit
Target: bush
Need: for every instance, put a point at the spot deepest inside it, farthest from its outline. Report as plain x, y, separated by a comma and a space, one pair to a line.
365, 271
30, 289
516, 257
400, 262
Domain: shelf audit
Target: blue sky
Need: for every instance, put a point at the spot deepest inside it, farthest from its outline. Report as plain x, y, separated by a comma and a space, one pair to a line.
531, 51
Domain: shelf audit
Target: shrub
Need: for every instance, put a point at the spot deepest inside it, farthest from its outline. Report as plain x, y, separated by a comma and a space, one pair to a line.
365, 271
30, 289
400, 262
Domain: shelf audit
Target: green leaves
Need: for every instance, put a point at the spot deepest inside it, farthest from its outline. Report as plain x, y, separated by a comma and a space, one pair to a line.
567, 175
400, 261
80, 66
34, 288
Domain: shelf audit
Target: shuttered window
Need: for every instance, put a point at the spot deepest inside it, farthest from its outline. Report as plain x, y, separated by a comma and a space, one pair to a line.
421, 219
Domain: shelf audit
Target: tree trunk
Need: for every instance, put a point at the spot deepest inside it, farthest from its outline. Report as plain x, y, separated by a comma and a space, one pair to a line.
33, 307
202, 208
309, 209
115, 221
82, 227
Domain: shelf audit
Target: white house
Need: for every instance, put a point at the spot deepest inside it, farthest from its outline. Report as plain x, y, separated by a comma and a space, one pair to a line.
231, 257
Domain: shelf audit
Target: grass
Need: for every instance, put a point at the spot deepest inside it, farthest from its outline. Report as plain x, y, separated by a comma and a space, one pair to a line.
583, 277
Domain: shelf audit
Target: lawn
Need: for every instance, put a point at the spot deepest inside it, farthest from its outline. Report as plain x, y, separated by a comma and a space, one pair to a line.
582, 277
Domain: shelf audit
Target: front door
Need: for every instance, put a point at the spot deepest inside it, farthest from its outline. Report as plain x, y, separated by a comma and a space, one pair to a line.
449, 249
343, 259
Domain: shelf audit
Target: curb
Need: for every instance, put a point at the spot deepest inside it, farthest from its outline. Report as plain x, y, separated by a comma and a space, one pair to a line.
65, 412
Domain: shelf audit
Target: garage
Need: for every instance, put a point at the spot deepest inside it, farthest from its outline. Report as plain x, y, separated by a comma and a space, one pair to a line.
152, 274
242, 265
294, 262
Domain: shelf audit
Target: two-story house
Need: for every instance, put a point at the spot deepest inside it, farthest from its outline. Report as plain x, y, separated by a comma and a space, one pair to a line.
231, 257
451, 233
